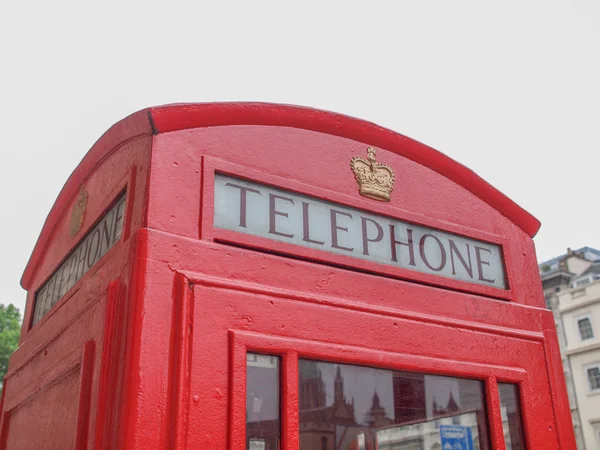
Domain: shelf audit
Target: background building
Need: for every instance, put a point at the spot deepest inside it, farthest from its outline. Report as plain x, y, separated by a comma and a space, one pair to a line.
580, 311
571, 284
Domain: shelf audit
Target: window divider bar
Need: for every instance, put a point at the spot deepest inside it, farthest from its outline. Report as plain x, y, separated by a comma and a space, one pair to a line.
237, 387
494, 414
289, 401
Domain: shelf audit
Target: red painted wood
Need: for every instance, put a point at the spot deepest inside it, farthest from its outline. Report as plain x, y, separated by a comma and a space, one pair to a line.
5, 421
237, 403
85, 383
109, 364
173, 307
134, 389
181, 361
290, 402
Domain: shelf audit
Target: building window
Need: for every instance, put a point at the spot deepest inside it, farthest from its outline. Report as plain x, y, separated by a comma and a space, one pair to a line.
593, 374
585, 328
582, 281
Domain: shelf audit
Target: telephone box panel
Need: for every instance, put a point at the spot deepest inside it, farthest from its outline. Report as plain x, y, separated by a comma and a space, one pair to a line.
254, 276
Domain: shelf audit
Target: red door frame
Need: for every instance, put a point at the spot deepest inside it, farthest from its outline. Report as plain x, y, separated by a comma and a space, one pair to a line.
331, 345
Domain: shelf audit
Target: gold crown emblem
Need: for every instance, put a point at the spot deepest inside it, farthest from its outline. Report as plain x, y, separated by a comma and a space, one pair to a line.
375, 180
78, 212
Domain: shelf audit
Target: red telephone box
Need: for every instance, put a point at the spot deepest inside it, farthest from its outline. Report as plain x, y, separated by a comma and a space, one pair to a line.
274, 277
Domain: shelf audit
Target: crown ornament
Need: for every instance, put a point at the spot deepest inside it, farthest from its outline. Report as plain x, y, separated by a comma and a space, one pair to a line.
375, 180
78, 213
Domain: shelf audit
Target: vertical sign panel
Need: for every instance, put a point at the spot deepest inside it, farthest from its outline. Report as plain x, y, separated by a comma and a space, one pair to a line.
93, 247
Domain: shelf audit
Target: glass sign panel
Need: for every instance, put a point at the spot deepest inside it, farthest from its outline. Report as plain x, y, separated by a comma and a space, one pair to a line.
279, 215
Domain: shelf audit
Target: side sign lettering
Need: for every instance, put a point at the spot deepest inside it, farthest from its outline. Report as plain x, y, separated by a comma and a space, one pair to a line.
279, 215
93, 246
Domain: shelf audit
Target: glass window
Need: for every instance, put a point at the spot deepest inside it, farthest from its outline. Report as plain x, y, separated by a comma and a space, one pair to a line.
585, 328
582, 281
511, 416
262, 402
593, 374
363, 408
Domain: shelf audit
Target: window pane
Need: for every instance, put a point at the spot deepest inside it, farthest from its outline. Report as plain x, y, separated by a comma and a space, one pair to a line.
594, 377
511, 416
262, 402
585, 328
345, 407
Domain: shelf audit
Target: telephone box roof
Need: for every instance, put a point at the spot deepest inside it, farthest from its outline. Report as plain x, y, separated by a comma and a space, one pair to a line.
162, 119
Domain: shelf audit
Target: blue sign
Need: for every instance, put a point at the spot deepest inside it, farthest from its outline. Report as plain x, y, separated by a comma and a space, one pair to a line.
456, 437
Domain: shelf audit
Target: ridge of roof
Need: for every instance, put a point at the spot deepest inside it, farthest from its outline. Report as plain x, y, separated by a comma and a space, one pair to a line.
168, 118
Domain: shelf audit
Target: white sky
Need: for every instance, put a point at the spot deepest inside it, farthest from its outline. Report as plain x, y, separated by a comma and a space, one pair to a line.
510, 89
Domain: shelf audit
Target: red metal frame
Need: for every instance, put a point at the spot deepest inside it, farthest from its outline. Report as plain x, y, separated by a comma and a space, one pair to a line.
330, 347
82, 359
111, 345
211, 166
83, 417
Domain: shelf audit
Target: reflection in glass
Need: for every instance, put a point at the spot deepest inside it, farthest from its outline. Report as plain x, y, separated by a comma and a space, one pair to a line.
511, 416
262, 402
345, 407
